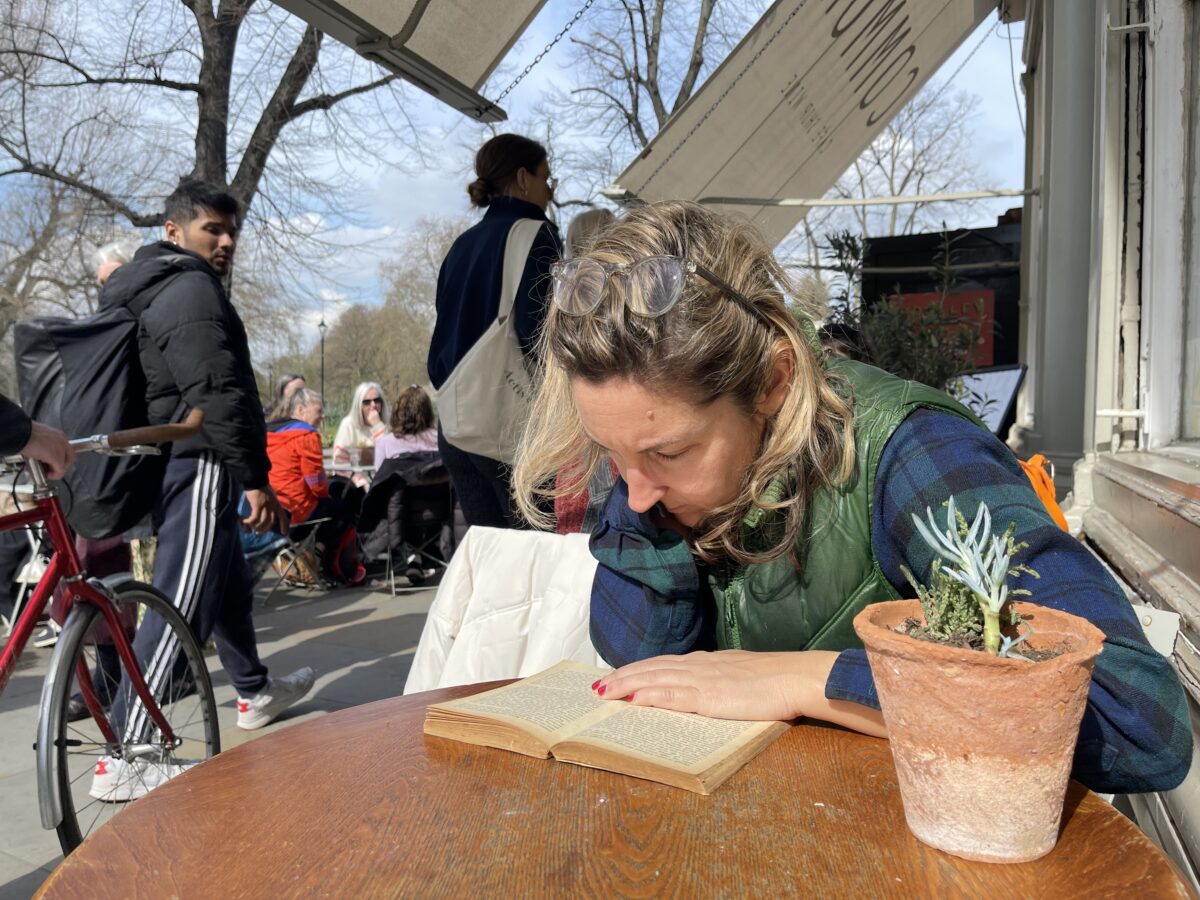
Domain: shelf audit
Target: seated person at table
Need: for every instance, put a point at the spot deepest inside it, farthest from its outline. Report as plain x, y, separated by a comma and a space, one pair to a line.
285, 385
354, 443
783, 484
298, 477
413, 429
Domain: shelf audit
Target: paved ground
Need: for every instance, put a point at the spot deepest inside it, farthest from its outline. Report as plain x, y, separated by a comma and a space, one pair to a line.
361, 643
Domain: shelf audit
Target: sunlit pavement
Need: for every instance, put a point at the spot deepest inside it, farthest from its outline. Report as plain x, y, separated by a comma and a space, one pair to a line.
360, 641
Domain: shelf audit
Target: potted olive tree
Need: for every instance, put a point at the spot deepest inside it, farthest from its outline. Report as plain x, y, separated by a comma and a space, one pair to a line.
982, 696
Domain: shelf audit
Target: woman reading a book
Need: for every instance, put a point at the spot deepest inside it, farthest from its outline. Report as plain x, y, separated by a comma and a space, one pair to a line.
766, 495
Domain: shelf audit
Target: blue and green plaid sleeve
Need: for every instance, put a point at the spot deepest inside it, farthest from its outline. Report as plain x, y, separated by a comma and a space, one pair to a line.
646, 596
1135, 735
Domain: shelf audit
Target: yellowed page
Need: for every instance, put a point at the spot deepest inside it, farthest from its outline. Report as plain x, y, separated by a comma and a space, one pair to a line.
680, 741
551, 705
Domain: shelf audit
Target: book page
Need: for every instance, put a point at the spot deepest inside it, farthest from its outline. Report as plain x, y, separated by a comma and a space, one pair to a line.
557, 701
682, 741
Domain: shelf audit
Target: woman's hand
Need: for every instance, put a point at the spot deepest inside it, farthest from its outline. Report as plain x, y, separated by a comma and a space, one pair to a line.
740, 684
727, 684
373, 416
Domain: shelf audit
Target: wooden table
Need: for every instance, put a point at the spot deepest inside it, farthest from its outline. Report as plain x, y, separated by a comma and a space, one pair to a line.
360, 803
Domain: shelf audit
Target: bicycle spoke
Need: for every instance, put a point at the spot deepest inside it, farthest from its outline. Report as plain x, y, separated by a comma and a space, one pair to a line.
183, 697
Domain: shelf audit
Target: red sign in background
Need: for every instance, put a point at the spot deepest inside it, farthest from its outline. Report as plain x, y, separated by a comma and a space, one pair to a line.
976, 307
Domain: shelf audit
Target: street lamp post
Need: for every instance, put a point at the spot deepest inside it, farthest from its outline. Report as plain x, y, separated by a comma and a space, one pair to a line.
321, 326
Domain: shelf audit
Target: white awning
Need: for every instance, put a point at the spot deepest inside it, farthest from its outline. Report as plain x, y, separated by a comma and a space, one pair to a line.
797, 101
447, 48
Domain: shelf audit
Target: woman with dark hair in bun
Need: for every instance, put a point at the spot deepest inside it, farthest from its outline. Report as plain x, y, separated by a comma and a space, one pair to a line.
514, 187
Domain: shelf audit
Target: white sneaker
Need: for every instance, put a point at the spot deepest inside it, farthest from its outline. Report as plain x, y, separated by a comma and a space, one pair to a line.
278, 695
117, 781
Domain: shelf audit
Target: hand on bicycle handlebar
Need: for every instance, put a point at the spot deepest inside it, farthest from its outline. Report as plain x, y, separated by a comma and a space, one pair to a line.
51, 448
265, 511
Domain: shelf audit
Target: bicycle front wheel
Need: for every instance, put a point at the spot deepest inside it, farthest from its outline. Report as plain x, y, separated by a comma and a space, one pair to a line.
97, 770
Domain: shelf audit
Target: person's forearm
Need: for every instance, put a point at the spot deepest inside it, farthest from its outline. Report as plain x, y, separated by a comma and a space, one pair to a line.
812, 674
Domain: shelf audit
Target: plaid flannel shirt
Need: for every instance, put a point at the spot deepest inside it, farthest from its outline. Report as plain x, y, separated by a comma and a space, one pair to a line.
1136, 733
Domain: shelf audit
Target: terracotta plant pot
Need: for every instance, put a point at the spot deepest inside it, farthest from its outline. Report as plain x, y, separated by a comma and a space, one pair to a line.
982, 745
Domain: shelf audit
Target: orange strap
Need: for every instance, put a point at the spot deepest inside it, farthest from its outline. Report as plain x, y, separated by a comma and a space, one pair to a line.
1043, 486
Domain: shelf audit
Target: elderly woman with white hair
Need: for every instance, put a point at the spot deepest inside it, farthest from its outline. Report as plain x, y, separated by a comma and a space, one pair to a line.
358, 431
111, 256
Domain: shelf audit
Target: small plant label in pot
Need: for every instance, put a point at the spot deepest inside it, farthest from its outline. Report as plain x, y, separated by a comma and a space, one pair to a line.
982, 697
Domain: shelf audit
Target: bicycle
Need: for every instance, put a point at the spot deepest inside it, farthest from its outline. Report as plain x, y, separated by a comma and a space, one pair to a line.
130, 729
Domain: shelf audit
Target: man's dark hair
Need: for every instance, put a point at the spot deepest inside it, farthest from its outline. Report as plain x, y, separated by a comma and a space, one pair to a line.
193, 195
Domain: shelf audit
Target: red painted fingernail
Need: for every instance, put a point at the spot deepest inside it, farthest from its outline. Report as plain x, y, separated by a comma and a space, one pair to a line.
594, 683
629, 699
600, 690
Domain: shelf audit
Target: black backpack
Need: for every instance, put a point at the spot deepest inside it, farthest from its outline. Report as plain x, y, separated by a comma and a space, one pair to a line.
84, 376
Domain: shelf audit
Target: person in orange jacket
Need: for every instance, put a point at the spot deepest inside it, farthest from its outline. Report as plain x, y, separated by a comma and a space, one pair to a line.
298, 477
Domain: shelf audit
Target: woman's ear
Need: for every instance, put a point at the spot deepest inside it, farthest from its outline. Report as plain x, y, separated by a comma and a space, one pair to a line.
782, 373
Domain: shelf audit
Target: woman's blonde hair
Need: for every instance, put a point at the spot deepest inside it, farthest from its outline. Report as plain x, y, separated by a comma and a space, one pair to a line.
707, 346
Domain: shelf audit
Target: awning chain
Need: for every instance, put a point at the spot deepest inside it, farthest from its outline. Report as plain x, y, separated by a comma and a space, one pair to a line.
537, 59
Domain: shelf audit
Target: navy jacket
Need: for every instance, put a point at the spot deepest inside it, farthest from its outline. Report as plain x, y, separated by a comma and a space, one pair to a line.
468, 290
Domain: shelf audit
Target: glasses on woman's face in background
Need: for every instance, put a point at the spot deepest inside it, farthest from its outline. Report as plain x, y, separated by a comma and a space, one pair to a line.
372, 401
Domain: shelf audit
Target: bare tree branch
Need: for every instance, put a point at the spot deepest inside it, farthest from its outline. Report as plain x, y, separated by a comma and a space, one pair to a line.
87, 78
328, 101
277, 113
696, 61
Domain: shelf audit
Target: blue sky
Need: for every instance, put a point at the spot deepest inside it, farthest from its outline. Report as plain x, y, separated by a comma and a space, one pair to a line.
393, 201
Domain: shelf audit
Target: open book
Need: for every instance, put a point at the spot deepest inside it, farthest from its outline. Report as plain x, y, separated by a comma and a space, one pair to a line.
556, 713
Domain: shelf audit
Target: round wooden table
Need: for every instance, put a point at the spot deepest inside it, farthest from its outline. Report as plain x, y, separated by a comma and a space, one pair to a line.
360, 803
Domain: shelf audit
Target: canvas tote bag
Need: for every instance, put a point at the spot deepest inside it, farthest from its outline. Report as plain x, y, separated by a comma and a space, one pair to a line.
484, 403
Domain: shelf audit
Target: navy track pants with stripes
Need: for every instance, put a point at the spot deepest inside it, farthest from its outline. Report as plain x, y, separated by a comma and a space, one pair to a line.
200, 567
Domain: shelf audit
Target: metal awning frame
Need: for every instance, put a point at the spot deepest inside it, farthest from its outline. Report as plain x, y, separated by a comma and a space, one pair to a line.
624, 197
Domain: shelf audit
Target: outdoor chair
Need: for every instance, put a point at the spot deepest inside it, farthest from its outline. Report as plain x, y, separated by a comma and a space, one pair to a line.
289, 553
27, 577
408, 517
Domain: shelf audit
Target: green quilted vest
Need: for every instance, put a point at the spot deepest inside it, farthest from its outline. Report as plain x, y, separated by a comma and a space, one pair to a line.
771, 606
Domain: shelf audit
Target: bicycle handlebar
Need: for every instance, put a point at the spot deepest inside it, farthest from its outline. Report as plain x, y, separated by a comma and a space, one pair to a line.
158, 434
149, 434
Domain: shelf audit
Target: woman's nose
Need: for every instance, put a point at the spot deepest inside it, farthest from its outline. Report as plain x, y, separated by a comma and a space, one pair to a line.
643, 493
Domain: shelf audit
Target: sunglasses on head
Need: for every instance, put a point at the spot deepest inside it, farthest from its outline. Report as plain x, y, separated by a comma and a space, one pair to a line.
652, 285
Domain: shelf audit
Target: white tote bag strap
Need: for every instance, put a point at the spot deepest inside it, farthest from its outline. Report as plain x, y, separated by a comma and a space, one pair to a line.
484, 403
516, 251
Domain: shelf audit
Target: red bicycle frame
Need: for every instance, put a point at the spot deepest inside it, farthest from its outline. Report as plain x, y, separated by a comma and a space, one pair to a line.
65, 569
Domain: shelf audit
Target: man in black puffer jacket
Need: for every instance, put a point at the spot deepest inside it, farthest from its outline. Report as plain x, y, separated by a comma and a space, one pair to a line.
195, 354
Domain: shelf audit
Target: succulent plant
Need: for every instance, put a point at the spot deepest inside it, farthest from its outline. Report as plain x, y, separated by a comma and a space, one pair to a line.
980, 561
